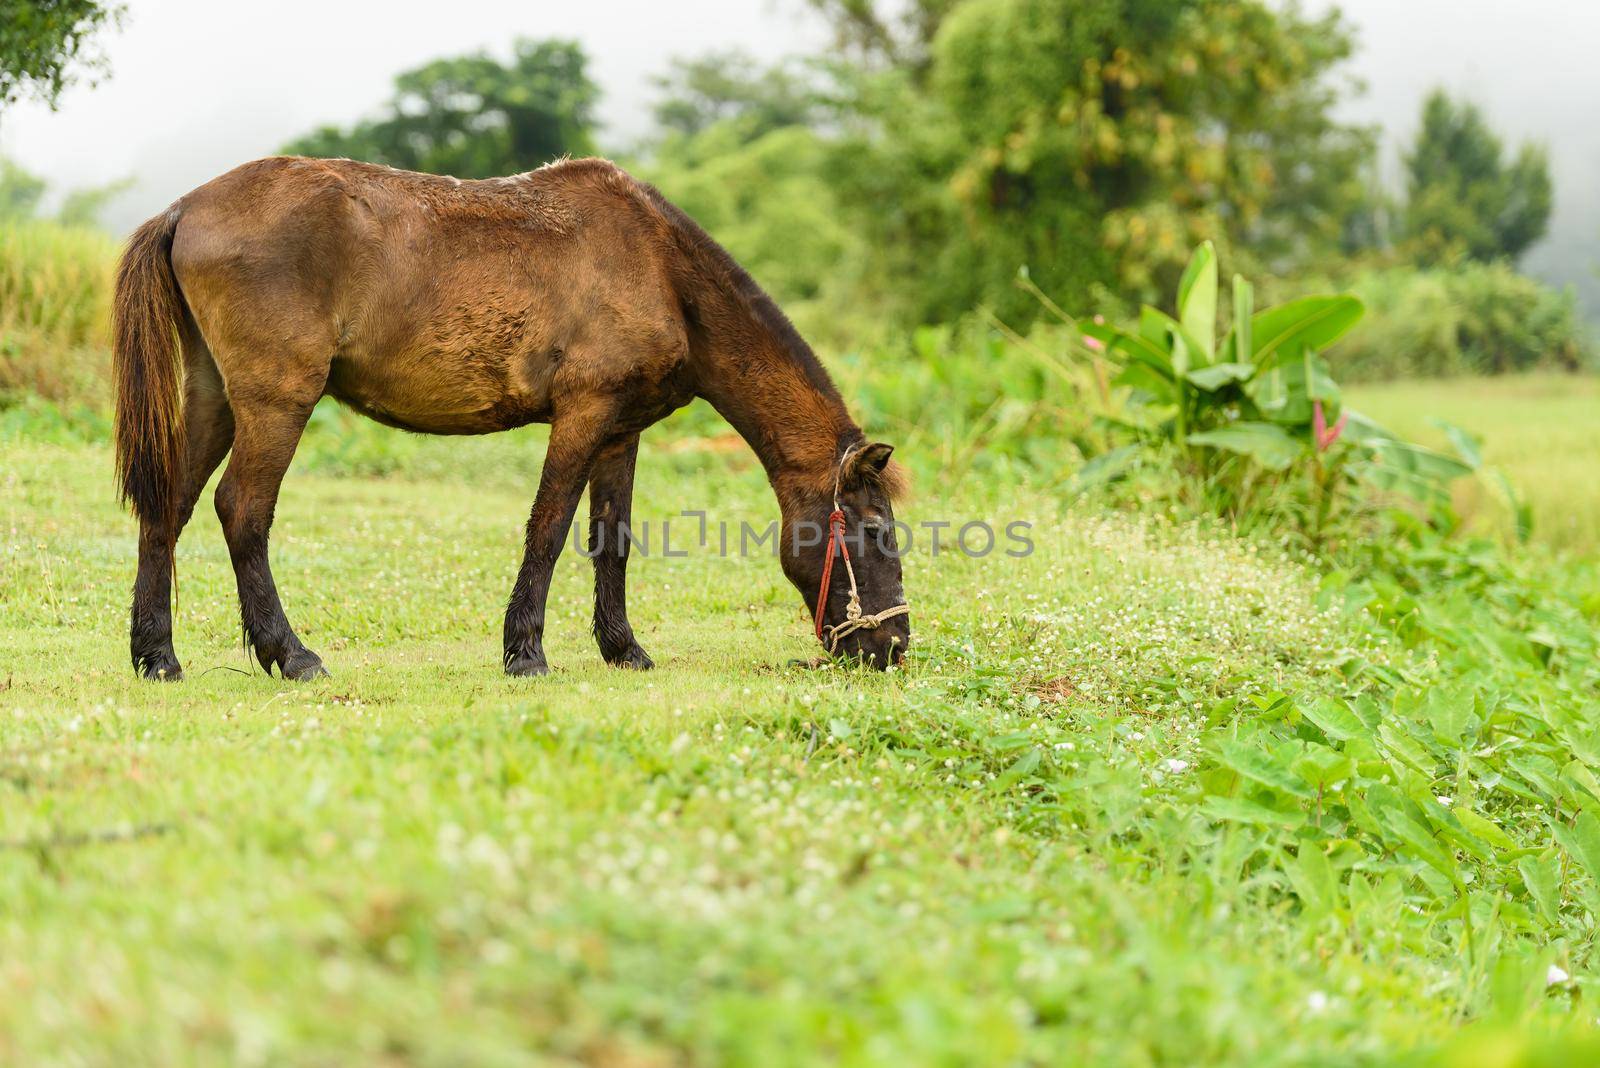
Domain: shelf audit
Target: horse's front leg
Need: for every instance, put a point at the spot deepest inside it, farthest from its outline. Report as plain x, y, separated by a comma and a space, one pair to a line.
576, 436
610, 536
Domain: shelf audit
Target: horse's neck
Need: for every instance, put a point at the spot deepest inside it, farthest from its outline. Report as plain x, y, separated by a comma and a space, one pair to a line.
763, 389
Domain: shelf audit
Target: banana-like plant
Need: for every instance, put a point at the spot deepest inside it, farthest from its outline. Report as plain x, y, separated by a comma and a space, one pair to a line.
1263, 391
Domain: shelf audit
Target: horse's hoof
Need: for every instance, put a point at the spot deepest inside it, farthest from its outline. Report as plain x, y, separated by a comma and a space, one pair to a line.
633, 658
164, 669
303, 667
527, 666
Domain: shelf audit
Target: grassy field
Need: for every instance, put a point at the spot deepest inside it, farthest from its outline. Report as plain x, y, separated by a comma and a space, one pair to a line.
1541, 431
1062, 835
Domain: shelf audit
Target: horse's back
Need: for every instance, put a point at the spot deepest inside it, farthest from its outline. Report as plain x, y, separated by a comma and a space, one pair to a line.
429, 302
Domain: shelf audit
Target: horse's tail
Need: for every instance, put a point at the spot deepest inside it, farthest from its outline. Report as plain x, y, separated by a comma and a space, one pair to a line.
146, 317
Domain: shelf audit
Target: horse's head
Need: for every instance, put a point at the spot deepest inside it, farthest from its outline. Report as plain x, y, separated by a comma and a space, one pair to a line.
841, 552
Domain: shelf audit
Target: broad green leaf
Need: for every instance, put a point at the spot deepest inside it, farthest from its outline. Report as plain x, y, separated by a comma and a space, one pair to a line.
1218, 375
1485, 829
1466, 445
1159, 328
1422, 842
1132, 347
1581, 841
1136, 374
1450, 712
1242, 810
1334, 718
1411, 469
1426, 463
1107, 467
1447, 826
1024, 765
1540, 771
1197, 299
1401, 746
1269, 445
1310, 322
1542, 877
1398, 481
1584, 745
1359, 430
1260, 767
1285, 387
1321, 766
1313, 879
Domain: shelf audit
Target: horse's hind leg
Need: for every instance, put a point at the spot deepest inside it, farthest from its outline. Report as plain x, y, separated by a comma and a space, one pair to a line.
267, 427
610, 523
207, 431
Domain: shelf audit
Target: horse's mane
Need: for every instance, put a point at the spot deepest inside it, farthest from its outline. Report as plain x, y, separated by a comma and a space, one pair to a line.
717, 266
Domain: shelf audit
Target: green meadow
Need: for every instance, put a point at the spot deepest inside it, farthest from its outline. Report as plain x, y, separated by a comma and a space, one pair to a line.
1152, 794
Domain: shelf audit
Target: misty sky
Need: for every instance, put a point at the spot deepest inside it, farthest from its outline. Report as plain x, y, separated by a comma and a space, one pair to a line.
197, 86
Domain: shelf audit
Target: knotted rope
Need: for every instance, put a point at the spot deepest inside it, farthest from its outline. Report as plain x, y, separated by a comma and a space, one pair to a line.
854, 620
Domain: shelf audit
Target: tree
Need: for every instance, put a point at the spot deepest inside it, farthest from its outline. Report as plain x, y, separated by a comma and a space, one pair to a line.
47, 43
1464, 195
893, 33
745, 151
1096, 141
733, 87
475, 117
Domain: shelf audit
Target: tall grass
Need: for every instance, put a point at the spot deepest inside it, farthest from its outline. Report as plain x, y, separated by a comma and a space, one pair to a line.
55, 310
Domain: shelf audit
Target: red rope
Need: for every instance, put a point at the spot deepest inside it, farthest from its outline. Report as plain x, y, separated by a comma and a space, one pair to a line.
835, 532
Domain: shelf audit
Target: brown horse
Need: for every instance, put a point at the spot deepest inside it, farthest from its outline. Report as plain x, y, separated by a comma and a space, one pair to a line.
573, 295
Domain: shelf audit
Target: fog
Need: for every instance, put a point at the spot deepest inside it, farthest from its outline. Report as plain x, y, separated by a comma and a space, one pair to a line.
196, 86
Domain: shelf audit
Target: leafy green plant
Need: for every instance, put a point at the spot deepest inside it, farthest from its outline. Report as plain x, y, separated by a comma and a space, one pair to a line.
1255, 414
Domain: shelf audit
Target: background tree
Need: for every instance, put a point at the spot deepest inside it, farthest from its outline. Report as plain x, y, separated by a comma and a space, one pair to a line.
44, 44
1464, 195
892, 32
746, 150
733, 87
1096, 141
476, 117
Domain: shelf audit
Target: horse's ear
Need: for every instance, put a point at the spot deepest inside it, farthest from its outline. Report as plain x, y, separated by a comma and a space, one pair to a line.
870, 465
871, 459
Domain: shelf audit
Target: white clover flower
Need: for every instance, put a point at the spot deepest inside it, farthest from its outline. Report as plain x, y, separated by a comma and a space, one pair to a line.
1556, 976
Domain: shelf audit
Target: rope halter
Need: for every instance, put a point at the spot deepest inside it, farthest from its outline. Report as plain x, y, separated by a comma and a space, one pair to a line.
854, 620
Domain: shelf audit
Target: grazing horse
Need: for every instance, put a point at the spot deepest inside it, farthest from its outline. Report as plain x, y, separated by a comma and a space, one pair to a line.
573, 295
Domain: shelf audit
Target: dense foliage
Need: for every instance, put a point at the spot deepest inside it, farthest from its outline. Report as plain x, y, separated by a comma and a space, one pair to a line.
46, 44
474, 116
1472, 318
1095, 143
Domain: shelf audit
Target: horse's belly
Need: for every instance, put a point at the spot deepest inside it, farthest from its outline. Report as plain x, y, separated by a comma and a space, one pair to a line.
433, 396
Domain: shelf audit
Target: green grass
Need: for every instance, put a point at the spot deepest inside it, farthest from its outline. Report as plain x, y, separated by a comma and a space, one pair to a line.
1063, 835
1542, 431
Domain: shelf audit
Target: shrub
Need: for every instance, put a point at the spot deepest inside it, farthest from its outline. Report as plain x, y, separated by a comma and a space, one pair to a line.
1474, 318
